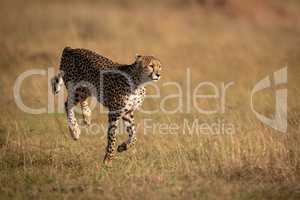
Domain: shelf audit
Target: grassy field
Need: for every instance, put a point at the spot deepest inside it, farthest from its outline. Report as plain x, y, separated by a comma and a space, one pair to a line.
217, 41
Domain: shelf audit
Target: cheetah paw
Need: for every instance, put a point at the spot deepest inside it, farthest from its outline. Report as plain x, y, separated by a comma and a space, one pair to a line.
107, 162
87, 121
75, 132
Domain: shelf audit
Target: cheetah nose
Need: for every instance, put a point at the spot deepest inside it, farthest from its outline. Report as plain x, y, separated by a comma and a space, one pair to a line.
157, 77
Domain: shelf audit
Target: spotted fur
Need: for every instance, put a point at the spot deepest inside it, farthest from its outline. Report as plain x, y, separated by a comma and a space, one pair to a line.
119, 87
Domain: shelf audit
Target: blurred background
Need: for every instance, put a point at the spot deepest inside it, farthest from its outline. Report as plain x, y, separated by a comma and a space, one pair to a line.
218, 40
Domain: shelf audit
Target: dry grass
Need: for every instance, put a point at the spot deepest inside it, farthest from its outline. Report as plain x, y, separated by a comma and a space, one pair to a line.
235, 41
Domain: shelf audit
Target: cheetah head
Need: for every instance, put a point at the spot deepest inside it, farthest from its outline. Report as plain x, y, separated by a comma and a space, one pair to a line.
149, 66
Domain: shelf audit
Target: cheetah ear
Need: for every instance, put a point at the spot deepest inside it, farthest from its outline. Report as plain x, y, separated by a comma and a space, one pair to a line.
137, 56
138, 59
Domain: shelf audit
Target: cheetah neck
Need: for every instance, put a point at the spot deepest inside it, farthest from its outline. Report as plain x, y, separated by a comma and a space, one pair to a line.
134, 73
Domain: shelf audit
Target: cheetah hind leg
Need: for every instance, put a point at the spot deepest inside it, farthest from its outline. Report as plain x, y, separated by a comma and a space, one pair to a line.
86, 112
72, 122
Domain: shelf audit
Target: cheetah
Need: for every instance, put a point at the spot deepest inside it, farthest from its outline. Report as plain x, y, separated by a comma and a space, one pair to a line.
119, 87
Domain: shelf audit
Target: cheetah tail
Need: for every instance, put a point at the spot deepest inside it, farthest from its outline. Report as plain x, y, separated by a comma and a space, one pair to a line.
56, 83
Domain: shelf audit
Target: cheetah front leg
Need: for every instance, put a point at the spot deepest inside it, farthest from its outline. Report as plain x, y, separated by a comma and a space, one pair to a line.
130, 128
113, 119
86, 112
72, 122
